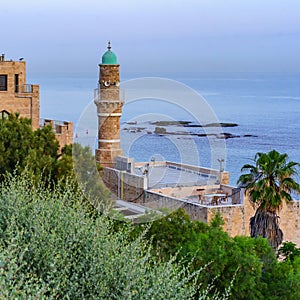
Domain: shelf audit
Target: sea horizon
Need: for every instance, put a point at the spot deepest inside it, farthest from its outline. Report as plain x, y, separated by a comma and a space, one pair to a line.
265, 105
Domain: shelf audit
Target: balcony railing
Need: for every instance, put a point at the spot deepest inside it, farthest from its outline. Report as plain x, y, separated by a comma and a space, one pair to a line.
24, 88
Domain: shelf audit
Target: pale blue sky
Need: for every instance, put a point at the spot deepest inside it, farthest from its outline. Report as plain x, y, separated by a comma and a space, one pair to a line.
153, 36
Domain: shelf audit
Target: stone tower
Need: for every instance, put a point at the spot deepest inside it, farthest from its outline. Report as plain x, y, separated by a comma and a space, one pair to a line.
109, 110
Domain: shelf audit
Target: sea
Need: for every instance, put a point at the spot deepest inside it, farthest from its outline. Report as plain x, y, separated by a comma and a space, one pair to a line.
265, 107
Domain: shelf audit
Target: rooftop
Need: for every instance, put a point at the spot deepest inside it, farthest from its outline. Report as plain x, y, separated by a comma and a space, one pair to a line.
168, 174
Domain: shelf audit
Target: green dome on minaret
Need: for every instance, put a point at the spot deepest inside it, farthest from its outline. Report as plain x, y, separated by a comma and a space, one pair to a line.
109, 58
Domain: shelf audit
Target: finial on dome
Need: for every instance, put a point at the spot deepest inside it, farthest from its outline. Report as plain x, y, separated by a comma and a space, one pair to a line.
108, 47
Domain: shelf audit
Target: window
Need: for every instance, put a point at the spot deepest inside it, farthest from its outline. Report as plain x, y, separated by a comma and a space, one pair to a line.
16, 83
3, 82
58, 129
4, 114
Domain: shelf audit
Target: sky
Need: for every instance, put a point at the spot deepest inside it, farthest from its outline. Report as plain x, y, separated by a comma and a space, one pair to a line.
69, 37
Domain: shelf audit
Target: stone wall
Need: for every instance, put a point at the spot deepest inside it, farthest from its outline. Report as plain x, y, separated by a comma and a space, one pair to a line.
233, 215
159, 201
235, 220
290, 222
125, 186
109, 73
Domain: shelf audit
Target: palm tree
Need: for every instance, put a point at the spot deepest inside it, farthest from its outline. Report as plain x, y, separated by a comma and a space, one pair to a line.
269, 183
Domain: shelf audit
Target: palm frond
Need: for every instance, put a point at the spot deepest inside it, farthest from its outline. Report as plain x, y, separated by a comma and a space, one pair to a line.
248, 166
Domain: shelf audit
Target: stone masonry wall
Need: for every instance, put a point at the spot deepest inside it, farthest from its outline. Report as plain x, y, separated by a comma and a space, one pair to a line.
233, 215
124, 185
109, 73
109, 109
290, 222
235, 221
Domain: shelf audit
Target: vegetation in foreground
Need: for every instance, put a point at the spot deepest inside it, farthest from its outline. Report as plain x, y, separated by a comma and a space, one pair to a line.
257, 272
51, 247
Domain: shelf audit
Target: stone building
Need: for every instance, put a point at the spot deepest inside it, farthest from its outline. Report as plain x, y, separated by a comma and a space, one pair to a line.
63, 130
17, 96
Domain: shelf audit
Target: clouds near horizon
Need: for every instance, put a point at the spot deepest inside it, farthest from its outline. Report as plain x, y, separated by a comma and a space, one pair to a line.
156, 36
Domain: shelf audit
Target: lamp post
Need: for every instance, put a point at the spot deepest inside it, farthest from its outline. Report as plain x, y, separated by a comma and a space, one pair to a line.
221, 160
146, 172
153, 160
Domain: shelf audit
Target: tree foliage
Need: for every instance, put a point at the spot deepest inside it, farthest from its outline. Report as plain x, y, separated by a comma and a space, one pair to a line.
249, 263
269, 182
22, 148
289, 251
86, 172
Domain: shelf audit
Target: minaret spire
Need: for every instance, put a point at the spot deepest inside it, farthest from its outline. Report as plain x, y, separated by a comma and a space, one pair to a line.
108, 47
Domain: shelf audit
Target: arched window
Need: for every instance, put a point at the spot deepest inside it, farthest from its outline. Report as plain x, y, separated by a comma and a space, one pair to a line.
4, 114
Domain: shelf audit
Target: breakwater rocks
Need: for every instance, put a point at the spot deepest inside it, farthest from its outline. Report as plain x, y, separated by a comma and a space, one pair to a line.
159, 128
189, 124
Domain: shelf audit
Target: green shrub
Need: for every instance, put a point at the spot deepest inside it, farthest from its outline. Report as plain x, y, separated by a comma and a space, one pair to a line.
52, 248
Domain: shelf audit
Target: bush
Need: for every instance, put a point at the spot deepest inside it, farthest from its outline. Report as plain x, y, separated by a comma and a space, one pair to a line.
51, 248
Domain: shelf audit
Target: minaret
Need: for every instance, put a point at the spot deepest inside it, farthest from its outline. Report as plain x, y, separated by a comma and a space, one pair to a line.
109, 110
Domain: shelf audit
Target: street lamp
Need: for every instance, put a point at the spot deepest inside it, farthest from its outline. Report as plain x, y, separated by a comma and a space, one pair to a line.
146, 173
221, 160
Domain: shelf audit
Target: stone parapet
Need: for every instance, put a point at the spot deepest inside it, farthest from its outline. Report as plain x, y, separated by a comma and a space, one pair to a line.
125, 186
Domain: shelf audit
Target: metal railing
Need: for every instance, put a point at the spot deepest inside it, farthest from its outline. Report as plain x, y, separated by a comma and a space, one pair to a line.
24, 88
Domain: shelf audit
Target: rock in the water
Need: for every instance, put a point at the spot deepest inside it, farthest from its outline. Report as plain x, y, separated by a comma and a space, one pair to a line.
160, 130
